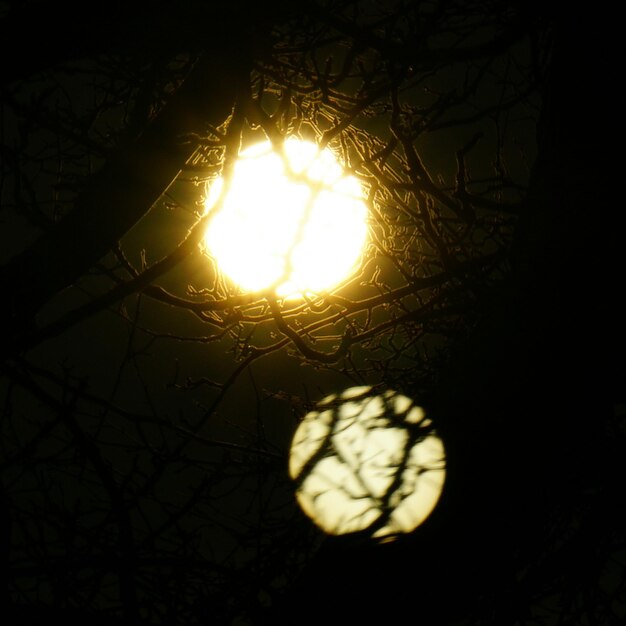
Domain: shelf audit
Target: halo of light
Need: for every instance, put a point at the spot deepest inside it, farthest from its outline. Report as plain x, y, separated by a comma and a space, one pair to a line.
293, 222
367, 461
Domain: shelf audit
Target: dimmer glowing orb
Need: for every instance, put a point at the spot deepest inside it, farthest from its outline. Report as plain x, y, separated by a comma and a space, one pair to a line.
292, 222
365, 461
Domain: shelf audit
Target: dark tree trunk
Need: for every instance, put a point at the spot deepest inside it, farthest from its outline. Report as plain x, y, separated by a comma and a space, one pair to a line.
525, 400
120, 194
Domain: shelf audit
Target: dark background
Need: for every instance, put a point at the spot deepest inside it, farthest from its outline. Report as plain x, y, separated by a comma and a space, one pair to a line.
531, 403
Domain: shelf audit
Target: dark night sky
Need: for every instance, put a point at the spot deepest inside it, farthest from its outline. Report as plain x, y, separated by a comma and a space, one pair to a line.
548, 355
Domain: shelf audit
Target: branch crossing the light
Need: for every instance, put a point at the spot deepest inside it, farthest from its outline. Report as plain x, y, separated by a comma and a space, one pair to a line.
293, 222
367, 461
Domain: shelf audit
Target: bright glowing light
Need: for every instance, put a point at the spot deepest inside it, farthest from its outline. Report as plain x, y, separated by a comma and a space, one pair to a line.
366, 461
291, 222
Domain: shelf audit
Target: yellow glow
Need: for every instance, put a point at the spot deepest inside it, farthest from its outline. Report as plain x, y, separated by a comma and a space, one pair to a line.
360, 464
294, 223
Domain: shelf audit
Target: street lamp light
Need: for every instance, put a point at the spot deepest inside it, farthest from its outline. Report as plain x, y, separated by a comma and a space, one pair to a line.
290, 220
367, 461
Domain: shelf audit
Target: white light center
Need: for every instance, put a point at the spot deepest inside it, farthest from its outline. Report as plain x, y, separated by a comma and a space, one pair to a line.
293, 222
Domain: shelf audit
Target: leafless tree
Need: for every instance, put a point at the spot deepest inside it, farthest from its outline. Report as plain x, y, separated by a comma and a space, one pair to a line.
148, 402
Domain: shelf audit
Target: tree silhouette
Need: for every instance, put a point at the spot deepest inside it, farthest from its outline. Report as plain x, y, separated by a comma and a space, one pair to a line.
148, 403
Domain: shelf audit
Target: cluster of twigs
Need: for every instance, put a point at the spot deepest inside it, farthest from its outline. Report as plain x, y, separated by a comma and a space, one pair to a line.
129, 487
